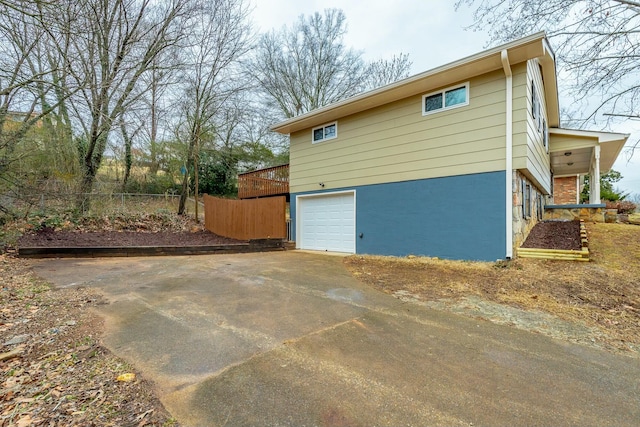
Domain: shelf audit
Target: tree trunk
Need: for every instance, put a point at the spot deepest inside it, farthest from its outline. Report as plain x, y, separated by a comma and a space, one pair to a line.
127, 155
91, 163
193, 144
153, 143
185, 188
195, 186
83, 202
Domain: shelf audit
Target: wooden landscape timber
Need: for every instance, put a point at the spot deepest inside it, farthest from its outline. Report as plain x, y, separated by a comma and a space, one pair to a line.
582, 255
253, 245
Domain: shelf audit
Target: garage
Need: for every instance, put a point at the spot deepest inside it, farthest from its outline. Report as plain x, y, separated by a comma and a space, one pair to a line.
326, 222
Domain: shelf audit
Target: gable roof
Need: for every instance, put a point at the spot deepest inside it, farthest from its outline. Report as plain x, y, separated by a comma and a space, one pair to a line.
534, 46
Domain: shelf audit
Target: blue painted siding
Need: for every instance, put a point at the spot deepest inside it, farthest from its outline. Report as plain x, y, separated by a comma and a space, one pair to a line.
459, 217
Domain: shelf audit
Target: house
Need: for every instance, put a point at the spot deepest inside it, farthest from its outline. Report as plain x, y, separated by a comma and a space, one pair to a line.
13, 120
456, 162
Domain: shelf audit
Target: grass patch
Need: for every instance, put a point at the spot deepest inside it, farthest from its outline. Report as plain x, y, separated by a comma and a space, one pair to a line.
602, 294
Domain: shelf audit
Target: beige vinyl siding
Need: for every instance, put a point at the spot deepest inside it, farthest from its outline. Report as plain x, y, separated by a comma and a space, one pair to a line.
529, 154
395, 142
521, 113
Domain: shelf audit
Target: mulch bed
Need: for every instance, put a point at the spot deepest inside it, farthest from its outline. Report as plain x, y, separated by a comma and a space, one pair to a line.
48, 238
563, 235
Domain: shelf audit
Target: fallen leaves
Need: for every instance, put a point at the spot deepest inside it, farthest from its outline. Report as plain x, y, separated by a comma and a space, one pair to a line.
126, 378
53, 370
11, 354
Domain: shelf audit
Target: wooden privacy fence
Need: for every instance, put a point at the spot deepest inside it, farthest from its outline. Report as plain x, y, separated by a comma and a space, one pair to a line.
246, 219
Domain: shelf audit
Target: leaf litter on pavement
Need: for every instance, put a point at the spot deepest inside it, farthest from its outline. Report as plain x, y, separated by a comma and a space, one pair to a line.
55, 372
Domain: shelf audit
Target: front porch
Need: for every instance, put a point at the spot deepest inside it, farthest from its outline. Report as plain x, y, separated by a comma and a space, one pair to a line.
576, 153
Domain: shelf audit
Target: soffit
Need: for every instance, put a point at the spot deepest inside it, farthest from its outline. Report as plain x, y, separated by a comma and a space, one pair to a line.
575, 162
572, 150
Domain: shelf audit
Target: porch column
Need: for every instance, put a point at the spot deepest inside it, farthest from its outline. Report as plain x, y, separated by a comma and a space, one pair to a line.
594, 191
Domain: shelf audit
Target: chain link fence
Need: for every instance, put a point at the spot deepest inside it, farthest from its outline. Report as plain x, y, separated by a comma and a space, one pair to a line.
98, 203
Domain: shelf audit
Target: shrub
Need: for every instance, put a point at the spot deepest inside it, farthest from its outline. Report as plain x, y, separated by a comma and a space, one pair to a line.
156, 184
622, 206
52, 220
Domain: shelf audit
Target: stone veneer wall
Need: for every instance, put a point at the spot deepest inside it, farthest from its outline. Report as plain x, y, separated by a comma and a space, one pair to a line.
565, 191
576, 212
521, 225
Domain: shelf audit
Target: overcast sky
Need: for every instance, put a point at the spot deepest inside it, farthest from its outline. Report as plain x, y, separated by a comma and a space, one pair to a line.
430, 31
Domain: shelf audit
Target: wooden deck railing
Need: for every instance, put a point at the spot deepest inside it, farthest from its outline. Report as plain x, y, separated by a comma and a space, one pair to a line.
272, 181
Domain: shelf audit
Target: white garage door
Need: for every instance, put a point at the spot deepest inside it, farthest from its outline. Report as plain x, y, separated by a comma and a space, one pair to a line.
327, 223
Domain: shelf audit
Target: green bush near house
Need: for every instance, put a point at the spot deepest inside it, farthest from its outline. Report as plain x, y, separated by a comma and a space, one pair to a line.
607, 191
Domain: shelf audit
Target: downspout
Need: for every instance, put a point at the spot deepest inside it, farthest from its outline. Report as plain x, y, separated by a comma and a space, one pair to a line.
504, 57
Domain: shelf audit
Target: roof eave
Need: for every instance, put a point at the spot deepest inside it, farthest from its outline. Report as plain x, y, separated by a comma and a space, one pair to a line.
609, 152
602, 136
548, 63
611, 144
521, 50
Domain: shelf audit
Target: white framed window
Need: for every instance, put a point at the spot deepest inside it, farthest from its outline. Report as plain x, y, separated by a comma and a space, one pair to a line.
324, 132
446, 99
535, 107
538, 116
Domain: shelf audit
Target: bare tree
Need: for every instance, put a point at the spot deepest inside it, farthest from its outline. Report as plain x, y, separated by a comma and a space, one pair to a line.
128, 136
243, 140
219, 36
384, 72
597, 43
307, 66
155, 91
53, 98
29, 94
261, 147
162, 82
18, 87
24, 7
113, 43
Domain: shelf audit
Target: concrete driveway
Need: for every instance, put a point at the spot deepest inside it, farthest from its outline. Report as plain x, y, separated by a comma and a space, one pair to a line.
291, 339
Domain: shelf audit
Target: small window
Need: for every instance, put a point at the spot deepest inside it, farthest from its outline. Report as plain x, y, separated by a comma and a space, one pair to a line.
455, 96
445, 99
536, 108
539, 119
534, 102
526, 199
325, 132
433, 102
540, 207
